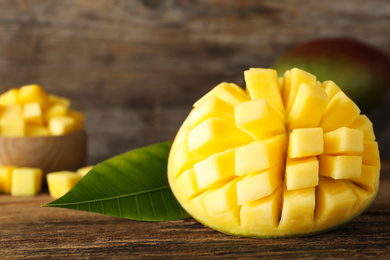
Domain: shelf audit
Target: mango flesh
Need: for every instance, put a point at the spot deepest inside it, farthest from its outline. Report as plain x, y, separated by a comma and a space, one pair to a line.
84, 170
6, 178
26, 181
361, 70
30, 111
61, 182
277, 159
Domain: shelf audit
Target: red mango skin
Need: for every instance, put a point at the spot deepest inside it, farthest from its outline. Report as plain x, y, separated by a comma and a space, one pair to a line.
360, 70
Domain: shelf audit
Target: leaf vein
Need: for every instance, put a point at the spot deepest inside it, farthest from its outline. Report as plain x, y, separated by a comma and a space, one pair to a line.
113, 197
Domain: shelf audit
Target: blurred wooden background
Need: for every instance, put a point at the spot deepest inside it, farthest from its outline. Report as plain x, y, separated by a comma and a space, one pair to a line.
135, 67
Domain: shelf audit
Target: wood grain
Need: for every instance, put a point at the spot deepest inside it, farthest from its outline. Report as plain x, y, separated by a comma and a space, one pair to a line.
136, 67
50, 153
29, 231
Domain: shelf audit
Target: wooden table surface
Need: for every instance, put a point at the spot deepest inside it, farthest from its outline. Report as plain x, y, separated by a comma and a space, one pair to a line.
28, 230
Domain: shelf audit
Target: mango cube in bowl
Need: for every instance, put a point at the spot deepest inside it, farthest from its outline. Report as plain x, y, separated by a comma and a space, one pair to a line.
40, 130
25, 108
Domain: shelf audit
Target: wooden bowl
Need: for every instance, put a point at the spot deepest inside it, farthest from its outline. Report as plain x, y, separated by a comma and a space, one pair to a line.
50, 153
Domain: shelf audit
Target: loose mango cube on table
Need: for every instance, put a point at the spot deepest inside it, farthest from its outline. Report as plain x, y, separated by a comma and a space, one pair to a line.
287, 156
26, 181
60, 183
84, 170
30, 111
20, 181
6, 178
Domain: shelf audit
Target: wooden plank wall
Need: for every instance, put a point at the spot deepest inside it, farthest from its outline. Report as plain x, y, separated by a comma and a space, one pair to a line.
135, 67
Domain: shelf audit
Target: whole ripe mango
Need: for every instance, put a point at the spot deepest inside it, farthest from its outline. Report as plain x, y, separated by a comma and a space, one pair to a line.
362, 71
285, 157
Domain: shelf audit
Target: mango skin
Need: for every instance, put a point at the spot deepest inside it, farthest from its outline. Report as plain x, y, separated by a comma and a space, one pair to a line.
362, 71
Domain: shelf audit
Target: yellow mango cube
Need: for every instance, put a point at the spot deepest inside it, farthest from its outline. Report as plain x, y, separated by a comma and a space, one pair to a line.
292, 81
215, 135
229, 218
57, 109
363, 198
340, 111
185, 159
302, 173
369, 179
335, 200
344, 140
308, 107
258, 185
15, 111
78, 117
212, 107
26, 181
32, 113
84, 170
33, 93
228, 92
371, 153
264, 83
28, 110
187, 183
12, 127
37, 130
61, 182
260, 155
304, 142
363, 123
330, 88
302, 199
197, 204
263, 120
215, 169
60, 125
220, 199
10, 97
341, 166
262, 215
53, 99
6, 178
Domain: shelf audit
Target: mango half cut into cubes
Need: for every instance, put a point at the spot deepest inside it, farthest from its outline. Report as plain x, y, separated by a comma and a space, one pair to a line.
288, 156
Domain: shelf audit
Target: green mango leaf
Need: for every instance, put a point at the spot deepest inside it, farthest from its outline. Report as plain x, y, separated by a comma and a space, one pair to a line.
132, 185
